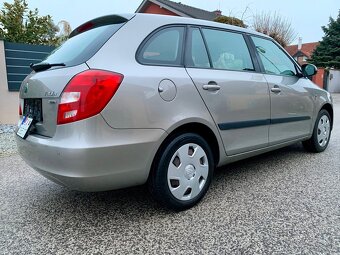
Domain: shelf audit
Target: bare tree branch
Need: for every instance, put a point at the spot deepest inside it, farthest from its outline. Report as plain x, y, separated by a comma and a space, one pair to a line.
274, 25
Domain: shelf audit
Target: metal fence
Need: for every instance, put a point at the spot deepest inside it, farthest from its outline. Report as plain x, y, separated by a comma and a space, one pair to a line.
18, 58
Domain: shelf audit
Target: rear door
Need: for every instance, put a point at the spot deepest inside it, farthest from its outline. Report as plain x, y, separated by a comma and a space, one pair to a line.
291, 103
237, 96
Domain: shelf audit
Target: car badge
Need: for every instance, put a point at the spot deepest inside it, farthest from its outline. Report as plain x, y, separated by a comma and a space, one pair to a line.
26, 88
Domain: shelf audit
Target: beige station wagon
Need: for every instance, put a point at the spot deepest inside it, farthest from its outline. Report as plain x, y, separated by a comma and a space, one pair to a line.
135, 99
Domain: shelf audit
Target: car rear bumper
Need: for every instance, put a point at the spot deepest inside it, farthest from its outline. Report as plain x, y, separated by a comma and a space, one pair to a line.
89, 155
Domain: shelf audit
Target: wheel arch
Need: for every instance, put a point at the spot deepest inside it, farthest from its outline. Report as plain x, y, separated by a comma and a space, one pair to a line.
192, 127
328, 107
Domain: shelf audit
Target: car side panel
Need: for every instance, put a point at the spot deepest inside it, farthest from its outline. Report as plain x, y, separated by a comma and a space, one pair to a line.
137, 103
241, 107
292, 109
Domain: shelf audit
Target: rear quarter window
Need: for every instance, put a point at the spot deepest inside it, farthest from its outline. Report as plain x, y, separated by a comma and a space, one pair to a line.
164, 47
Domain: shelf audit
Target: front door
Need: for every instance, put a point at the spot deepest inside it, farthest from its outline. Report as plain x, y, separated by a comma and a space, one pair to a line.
291, 104
237, 97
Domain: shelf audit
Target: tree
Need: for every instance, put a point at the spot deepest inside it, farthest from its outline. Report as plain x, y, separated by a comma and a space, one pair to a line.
274, 25
327, 54
230, 20
19, 24
64, 31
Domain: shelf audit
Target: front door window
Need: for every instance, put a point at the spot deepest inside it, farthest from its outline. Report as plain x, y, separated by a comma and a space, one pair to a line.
274, 60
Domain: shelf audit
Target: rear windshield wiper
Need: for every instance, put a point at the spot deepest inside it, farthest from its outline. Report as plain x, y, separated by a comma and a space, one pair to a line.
44, 66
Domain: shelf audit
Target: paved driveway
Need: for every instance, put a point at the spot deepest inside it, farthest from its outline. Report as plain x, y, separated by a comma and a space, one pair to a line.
284, 202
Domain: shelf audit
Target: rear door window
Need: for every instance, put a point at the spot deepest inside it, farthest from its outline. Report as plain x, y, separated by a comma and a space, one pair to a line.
196, 53
228, 50
165, 47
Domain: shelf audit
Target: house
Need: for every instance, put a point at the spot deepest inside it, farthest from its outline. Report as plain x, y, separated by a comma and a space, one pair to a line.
167, 7
301, 52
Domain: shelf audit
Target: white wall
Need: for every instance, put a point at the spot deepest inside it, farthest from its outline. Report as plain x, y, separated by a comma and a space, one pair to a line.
9, 101
334, 81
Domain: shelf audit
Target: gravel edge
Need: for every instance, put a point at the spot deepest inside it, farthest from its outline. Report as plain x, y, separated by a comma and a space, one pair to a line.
8, 145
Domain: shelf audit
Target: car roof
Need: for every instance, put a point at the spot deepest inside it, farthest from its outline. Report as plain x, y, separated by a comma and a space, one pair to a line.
167, 19
191, 21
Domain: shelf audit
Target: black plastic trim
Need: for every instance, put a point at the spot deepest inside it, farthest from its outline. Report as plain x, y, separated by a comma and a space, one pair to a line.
290, 119
264, 122
253, 54
243, 124
206, 48
188, 47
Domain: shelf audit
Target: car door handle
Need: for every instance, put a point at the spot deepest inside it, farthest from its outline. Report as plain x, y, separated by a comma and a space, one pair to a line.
275, 89
211, 87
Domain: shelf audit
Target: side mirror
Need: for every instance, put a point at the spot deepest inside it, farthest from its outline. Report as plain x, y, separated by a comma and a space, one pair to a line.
309, 70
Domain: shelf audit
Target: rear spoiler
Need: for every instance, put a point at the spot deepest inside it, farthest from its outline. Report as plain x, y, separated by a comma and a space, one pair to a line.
101, 21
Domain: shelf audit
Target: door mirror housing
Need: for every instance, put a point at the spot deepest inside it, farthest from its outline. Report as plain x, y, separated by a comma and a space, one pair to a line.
309, 70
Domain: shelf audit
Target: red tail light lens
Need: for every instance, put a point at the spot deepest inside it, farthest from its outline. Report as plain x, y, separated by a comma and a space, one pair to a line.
87, 94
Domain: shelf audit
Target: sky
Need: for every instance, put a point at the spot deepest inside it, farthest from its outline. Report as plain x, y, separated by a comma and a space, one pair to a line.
306, 16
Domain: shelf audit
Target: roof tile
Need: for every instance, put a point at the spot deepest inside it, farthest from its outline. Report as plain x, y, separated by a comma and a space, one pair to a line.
189, 10
307, 49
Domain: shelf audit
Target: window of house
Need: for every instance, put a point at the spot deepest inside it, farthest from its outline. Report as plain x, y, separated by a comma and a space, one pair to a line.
163, 48
228, 50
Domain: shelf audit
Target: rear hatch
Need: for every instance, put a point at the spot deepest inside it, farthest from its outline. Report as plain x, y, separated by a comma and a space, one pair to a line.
41, 91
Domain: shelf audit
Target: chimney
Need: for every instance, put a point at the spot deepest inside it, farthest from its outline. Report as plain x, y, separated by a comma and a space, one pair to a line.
300, 43
218, 13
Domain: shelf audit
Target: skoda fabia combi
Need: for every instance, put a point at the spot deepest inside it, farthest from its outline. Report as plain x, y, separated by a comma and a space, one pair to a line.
135, 99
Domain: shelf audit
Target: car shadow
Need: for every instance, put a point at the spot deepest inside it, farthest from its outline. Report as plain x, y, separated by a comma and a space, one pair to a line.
293, 151
135, 204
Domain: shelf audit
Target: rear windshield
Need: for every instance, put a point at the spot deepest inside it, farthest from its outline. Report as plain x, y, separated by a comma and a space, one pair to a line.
82, 47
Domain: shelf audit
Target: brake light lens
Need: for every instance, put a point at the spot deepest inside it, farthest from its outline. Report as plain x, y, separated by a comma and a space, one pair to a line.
85, 27
87, 94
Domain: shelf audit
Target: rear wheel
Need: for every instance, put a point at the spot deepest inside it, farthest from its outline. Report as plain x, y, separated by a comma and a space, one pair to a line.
321, 133
182, 175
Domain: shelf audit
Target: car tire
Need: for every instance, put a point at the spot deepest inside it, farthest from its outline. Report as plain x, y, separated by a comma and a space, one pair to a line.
321, 133
182, 172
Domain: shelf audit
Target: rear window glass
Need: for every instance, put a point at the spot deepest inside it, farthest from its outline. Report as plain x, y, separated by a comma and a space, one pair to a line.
228, 50
163, 48
82, 47
197, 55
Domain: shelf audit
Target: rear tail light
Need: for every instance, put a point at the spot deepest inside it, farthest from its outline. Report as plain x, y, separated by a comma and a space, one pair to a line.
87, 94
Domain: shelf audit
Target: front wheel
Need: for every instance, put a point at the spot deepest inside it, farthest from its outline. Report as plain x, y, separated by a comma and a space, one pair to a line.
321, 133
182, 174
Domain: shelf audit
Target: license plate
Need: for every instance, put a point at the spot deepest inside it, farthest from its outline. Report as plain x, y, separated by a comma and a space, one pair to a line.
33, 108
24, 127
